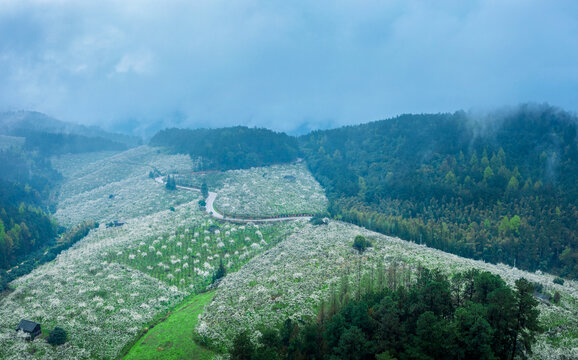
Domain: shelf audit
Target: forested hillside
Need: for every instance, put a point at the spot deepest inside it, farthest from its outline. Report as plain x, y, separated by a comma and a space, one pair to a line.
25, 182
230, 148
25, 168
500, 188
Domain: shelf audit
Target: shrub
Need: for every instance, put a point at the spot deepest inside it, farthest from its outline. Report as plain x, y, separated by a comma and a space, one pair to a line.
221, 272
57, 336
360, 243
559, 281
242, 348
317, 220
171, 183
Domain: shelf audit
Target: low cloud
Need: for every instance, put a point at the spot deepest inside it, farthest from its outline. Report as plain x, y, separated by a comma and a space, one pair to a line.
286, 66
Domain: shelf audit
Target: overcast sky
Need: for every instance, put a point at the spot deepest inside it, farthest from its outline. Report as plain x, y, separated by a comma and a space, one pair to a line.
282, 64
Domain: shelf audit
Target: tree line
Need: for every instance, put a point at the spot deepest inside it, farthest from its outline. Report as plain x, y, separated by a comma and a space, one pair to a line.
49, 144
237, 147
472, 315
30, 260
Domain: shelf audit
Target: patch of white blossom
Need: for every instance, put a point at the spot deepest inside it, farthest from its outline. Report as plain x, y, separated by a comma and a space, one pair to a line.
268, 191
118, 187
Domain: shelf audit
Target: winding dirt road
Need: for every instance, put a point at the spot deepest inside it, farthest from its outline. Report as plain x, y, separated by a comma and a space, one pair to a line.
210, 208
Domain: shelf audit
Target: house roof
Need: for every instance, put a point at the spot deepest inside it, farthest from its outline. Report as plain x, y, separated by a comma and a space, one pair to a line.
27, 326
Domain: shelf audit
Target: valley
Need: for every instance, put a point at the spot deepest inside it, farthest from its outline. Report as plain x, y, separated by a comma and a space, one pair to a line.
173, 273
289, 180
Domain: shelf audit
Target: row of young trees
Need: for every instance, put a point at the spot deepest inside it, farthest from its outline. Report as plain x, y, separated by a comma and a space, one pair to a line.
472, 315
502, 189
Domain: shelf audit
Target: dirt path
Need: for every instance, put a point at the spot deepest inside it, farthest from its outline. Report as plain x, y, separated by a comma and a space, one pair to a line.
210, 208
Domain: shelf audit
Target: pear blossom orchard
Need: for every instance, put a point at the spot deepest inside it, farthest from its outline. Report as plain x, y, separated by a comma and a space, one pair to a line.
161, 247
106, 288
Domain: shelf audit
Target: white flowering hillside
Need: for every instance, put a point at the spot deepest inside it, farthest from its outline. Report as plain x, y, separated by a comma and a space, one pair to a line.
293, 278
71, 165
269, 191
110, 285
102, 305
189, 256
119, 166
115, 186
106, 288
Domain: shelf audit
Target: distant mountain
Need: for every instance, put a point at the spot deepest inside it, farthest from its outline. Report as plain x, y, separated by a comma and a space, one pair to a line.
500, 187
49, 144
12, 123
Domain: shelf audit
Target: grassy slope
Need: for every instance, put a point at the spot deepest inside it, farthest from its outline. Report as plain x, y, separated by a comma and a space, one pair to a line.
173, 337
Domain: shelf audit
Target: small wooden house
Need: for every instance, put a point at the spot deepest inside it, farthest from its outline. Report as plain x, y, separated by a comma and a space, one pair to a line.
542, 298
114, 223
30, 327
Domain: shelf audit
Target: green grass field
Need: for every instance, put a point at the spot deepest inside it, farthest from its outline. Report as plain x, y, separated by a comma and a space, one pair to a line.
173, 337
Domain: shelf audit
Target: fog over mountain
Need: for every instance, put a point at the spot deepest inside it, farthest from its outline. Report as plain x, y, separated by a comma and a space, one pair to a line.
139, 66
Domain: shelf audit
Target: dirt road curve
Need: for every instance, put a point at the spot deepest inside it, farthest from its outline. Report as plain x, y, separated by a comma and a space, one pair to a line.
210, 207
